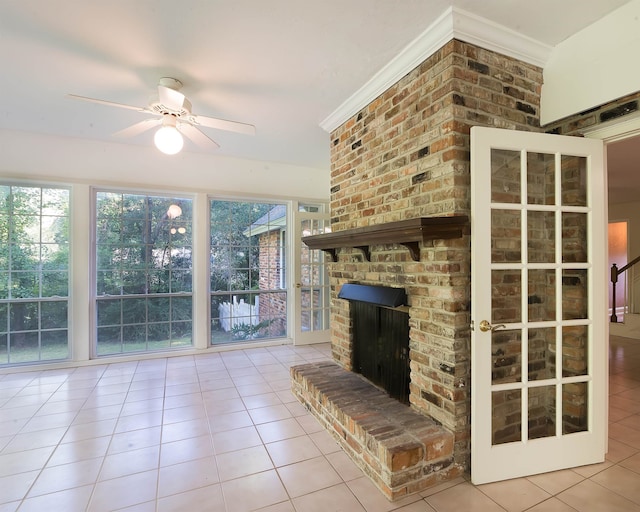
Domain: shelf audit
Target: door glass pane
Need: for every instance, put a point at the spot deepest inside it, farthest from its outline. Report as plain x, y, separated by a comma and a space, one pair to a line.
542, 295
506, 236
575, 350
314, 307
541, 178
320, 320
575, 407
506, 416
542, 412
575, 300
542, 353
541, 235
505, 176
506, 289
506, 354
311, 227
574, 237
305, 315
574, 180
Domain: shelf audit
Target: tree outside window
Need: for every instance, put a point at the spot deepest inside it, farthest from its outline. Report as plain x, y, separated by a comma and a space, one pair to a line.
143, 272
248, 301
34, 274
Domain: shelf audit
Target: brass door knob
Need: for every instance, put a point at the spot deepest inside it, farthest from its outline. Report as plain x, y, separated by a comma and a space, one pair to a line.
485, 326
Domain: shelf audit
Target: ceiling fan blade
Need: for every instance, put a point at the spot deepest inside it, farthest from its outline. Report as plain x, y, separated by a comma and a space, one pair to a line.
107, 103
170, 98
197, 136
138, 128
222, 124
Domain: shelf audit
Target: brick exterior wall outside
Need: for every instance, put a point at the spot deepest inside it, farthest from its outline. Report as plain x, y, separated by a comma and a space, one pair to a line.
407, 155
273, 306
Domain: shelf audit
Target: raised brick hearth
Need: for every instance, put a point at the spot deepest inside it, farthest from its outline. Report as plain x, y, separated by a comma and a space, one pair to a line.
401, 450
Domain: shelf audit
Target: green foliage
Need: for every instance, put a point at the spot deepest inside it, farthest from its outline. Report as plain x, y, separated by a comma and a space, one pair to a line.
34, 264
235, 251
143, 248
34, 242
140, 247
249, 332
143, 257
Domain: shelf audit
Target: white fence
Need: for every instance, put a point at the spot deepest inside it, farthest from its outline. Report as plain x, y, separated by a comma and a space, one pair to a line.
234, 314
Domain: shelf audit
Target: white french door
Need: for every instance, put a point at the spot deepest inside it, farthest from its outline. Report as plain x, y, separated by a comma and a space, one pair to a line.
311, 282
539, 288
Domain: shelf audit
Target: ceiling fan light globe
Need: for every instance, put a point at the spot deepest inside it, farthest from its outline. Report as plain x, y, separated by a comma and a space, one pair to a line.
168, 140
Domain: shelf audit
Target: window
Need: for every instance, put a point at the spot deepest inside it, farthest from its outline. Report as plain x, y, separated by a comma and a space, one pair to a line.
34, 274
247, 300
143, 272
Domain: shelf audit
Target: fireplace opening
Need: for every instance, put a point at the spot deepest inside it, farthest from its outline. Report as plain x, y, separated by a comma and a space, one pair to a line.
380, 333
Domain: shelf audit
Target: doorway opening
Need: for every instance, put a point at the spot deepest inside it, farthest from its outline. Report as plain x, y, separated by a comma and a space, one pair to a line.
618, 256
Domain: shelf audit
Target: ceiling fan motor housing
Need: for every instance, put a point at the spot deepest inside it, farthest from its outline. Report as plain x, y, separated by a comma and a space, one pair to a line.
157, 105
160, 108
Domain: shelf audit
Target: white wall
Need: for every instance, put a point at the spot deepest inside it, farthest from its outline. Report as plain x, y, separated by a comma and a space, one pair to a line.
593, 67
34, 156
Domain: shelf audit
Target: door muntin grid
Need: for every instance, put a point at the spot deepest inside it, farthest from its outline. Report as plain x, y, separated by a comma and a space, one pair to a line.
540, 272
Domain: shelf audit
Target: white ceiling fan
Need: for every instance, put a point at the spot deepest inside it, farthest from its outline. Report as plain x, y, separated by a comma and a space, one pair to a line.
172, 112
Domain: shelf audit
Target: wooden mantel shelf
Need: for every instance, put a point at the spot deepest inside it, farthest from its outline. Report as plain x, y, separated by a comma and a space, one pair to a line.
408, 232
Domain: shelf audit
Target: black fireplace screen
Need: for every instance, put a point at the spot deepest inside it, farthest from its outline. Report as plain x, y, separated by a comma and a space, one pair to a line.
381, 347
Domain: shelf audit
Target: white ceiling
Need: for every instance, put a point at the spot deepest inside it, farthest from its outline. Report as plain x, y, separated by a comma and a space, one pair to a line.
282, 65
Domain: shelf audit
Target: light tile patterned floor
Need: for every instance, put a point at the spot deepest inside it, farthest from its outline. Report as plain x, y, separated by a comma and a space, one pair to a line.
222, 432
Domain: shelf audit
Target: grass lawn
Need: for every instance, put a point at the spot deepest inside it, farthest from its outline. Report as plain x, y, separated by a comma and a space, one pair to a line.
60, 351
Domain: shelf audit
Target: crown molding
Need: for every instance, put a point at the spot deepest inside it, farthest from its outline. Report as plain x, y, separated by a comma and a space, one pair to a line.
454, 23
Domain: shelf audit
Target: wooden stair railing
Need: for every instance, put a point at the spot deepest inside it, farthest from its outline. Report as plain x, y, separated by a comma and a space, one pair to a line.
615, 272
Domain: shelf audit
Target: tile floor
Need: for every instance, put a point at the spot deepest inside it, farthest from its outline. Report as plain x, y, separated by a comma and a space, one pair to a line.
222, 433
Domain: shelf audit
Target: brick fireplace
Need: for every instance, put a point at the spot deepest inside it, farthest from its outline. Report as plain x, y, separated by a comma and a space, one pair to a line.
404, 158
